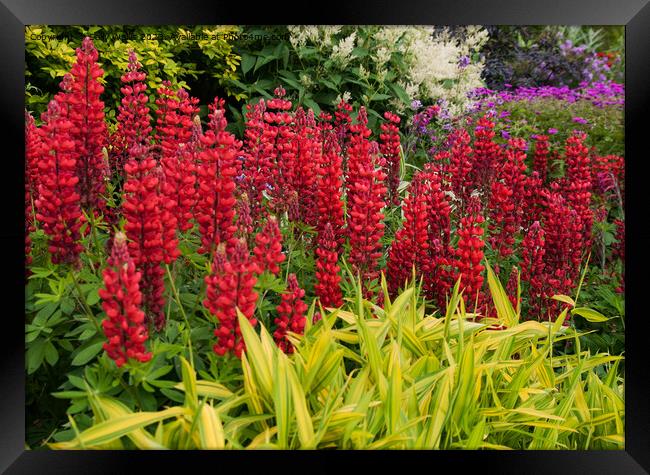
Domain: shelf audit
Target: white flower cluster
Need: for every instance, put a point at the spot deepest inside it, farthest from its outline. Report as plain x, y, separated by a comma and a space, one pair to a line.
343, 50
438, 65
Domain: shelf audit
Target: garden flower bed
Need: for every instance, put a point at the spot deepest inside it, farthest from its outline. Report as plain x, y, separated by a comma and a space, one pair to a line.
295, 275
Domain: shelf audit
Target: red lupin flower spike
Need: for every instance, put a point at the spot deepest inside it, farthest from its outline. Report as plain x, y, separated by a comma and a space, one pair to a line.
230, 287
143, 209
134, 118
32, 153
124, 325
469, 255
390, 148
217, 170
330, 187
260, 157
88, 127
327, 287
532, 266
540, 159
365, 200
268, 248
58, 204
291, 314
410, 249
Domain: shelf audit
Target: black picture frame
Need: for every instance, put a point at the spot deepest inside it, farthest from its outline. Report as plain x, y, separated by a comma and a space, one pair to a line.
15, 14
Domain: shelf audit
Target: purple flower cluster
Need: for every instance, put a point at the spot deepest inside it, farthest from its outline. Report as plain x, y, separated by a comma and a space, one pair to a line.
599, 94
596, 67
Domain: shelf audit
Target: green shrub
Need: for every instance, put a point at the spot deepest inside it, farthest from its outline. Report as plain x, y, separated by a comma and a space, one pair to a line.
198, 57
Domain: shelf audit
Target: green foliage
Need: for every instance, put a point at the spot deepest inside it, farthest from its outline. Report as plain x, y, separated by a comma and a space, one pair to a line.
196, 57
401, 379
371, 65
605, 125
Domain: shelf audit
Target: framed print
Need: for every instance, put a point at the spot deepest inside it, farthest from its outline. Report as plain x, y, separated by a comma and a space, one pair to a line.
401, 235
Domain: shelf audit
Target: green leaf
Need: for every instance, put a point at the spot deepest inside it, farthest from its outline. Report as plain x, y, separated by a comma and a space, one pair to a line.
312, 105
51, 355
400, 92
589, 314
247, 62
87, 354
35, 355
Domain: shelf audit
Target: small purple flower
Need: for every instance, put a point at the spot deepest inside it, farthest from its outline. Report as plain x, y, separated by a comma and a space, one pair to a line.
505, 134
463, 62
579, 120
552, 131
504, 114
415, 105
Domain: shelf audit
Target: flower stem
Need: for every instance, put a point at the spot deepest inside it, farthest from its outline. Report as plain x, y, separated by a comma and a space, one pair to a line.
180, 306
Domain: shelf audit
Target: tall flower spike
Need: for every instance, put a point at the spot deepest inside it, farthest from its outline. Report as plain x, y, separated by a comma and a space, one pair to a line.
88, 130
390, 148
540, 159
291, 314
330, 188
439, 277
366, 195
577, 184
507, 199
307, 156
469, 255
175, 132
32, 151
410, 248
486, 155
124, 325
218, 167
230, 287
328, 287
57, 206
143, 210
260, 157
268, 247
134, 118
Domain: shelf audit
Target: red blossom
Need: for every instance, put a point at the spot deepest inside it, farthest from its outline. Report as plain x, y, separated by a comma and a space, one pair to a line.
291, 314
461, 165
230, 287
390, 149
541, 156
532, 265
469, 255
134, 118
366, 194
32, 153
486, 154
143, 209
329, 202
268, 248
327, 287
219, 165
260, 157
86, 113
410, 249
58, 205
506, 199
124, 325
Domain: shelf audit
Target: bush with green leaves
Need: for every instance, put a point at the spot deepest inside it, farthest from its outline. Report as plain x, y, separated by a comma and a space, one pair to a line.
199, 57
380, 67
